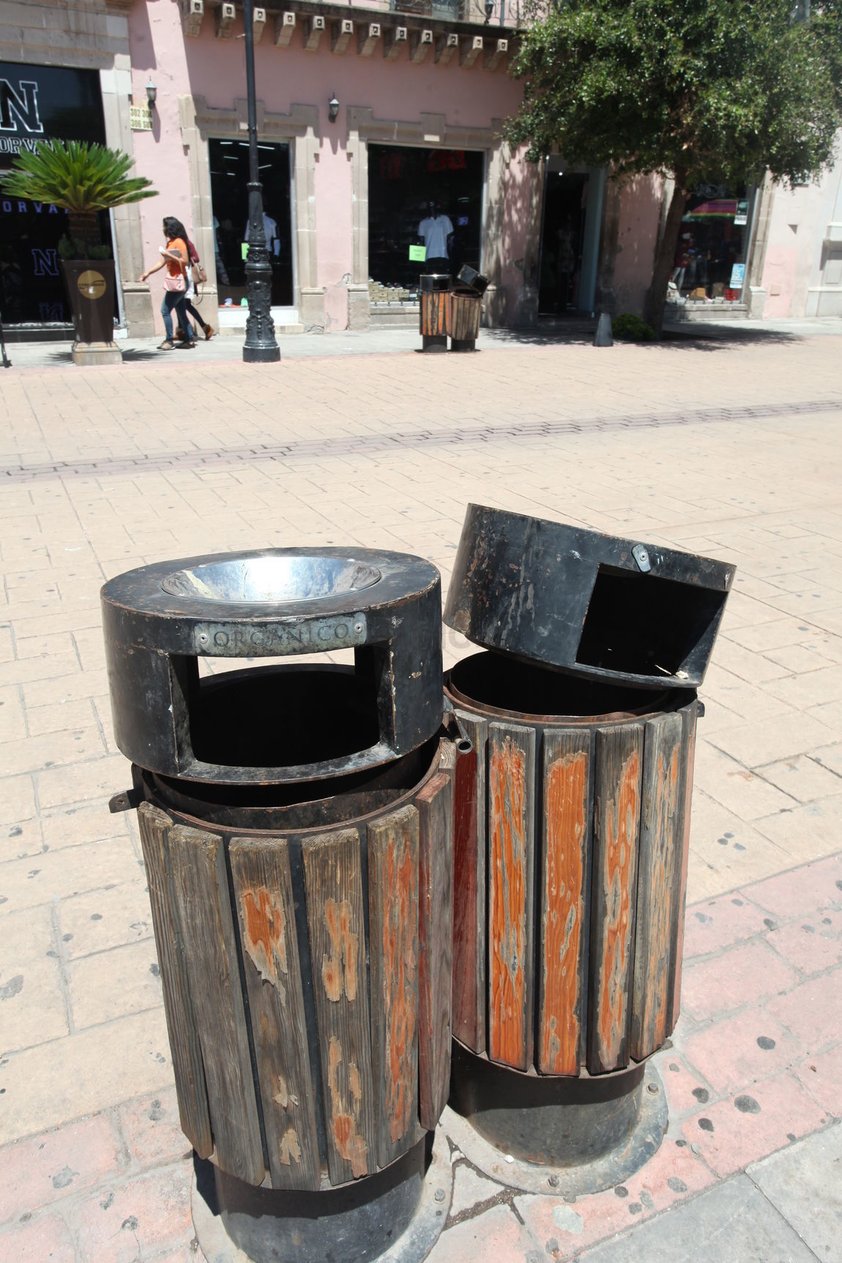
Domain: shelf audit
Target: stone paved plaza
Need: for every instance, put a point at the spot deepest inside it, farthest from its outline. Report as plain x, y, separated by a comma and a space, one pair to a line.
729, 446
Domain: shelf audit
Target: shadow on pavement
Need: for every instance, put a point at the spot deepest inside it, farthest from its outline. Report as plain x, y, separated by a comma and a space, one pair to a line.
697, 337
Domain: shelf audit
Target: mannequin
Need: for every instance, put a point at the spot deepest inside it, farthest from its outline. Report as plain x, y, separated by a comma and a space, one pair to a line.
436, 230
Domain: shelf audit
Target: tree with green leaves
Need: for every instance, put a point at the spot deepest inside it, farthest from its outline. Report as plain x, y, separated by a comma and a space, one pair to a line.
83, 179
702, 91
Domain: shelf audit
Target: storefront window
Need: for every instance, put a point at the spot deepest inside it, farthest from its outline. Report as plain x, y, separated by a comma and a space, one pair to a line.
229, 171
407, 186
40, 103
710, 262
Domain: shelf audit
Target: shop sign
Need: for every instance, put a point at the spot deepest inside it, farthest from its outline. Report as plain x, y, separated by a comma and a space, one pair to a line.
47, 103
741, 216
738, 276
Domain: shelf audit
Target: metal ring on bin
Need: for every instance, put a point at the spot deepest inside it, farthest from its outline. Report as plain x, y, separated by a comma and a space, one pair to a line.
589, 604
159, 620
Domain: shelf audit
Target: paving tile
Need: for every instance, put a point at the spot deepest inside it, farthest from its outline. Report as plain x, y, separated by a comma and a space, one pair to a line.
802, 777
33, 1005
151, 1129
135, 1218
803, 1183
812, 1012
731, 1133
755, 745
734, 978
685, 1088
812, 944
17, 799
103, 919
733, 1221
97, 779
673, 1174
734, 1053
38, 1240
66, 1078
821, 1076
805, 833
735, 786
114, 983
799, 892
496, 1232
57, 1164
83, 822
56, 874
721, 922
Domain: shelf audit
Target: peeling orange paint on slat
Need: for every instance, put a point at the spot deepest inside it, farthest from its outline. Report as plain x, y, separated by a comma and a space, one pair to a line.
566, 817
265, 933
344, 1114
619, 842
507, 928
400, 974
339, 969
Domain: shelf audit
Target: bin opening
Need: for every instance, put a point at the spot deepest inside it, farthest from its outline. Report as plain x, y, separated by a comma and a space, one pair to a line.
646, 625
273, 579
281, 716
509, 685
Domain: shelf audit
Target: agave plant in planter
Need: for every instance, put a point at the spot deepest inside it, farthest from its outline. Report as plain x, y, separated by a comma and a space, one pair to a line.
84, 179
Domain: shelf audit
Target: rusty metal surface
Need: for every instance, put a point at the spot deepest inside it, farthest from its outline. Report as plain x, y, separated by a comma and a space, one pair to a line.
585, 603
160, 620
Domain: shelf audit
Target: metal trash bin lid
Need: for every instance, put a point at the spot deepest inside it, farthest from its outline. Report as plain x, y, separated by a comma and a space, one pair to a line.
274, 603
586, 603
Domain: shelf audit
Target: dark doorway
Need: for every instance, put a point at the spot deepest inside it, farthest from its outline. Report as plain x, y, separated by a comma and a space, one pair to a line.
402, 182
565, 200
229, 171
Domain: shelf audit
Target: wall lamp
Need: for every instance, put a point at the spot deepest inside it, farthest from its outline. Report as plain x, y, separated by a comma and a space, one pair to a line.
333, 108
151, 93
489, 9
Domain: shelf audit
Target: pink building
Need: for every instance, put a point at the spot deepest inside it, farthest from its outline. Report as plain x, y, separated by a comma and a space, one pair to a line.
367, 116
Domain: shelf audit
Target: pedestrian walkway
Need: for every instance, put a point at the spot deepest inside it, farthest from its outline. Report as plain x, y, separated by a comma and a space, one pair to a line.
726, 445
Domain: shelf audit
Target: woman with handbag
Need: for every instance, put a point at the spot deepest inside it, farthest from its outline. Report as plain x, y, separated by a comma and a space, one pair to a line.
175, 258
198, 276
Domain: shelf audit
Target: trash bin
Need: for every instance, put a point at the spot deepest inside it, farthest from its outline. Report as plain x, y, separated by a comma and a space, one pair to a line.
433, 311
463, 316
296, 828
571, 830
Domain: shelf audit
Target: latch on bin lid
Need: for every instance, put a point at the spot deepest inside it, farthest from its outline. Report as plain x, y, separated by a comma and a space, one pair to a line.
590, 604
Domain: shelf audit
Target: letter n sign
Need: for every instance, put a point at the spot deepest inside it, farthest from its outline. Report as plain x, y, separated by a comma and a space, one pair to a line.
20, 108
45, 262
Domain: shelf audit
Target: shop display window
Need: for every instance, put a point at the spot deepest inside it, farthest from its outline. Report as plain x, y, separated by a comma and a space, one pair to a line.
402, 183
710, 260
229, 172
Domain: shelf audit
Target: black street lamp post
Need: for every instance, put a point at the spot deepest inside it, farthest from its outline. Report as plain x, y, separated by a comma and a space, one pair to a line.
260, 345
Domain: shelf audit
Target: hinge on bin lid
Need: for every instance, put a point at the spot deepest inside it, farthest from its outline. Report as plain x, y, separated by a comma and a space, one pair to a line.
641, 556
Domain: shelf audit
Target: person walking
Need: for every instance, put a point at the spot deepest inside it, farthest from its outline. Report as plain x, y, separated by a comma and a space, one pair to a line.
197, 273
175, 257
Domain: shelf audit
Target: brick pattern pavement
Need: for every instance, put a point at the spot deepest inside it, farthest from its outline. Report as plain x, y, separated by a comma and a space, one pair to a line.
732, 451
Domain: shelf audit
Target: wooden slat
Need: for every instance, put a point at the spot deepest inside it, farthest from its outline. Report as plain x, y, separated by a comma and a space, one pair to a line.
333, 881
511, 764
689, 715
435, 937
618, 766
564, 900
200, 884
265, 908
393, 964
659, 858
470, 889
178, 1006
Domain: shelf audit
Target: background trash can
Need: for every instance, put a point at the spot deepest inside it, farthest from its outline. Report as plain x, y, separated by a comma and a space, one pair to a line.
296, 830
463, 316
572, 819
433, 311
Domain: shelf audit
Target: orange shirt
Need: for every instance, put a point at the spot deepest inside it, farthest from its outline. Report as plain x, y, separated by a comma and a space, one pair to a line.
176, 243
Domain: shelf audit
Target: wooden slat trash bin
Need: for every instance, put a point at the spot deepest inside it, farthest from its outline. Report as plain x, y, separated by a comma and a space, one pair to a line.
572, 818
297, 836
432, 314
463, 318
